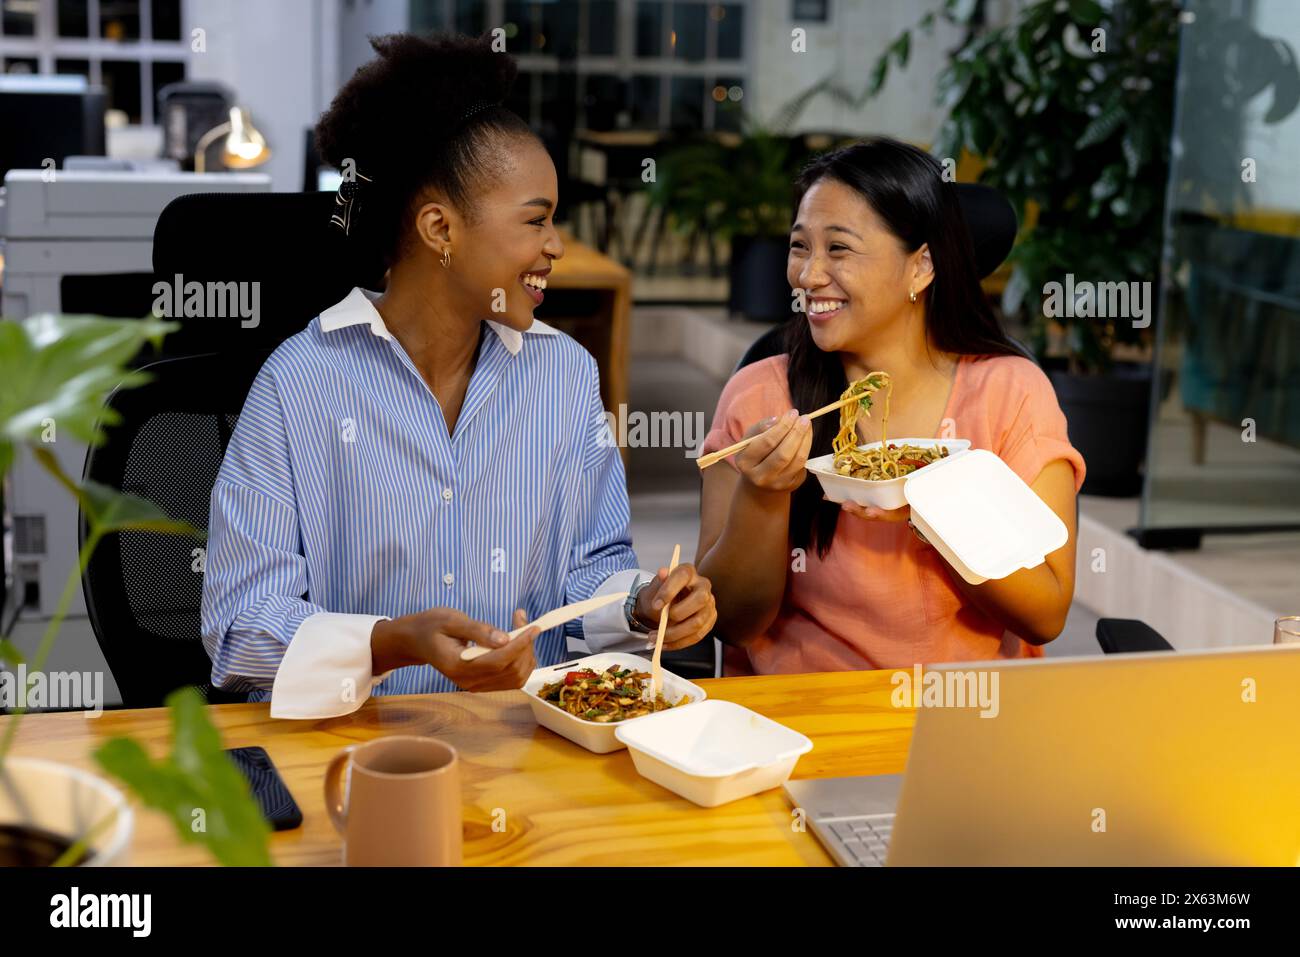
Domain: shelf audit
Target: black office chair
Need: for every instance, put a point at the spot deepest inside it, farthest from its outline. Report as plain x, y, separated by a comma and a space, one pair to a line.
1120, 635
143, 588
142, 594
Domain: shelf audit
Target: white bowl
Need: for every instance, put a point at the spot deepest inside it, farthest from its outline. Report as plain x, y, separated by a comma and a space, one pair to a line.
714, 752
598, 736
67, 801
887, 494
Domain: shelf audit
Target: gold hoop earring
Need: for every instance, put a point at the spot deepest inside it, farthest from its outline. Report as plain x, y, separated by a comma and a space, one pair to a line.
446, 257
911, 295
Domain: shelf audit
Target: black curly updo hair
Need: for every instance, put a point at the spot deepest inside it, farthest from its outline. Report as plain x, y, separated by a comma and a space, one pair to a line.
426, 113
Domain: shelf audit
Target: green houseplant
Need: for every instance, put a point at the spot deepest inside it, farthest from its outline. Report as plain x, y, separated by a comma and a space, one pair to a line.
57, 371
1071, 107
741, 190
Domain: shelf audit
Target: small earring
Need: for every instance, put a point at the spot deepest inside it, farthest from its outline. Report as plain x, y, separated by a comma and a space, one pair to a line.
911, 295
446, 259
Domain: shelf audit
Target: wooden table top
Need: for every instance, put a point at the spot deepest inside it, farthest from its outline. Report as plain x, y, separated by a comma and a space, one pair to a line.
584, 267
562, 805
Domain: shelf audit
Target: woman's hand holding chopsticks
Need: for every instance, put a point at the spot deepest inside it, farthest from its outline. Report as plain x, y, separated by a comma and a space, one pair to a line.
775, 458
691, 612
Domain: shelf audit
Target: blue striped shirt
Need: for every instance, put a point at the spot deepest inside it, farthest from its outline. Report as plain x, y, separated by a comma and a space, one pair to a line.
341, 491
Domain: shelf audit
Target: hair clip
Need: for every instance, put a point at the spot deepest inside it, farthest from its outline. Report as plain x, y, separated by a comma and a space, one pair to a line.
346, 205
477, 108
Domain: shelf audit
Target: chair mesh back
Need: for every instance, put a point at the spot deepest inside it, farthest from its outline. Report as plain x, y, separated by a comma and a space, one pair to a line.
173, 462
144, 589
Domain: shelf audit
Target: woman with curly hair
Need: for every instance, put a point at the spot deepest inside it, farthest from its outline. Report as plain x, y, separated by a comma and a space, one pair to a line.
417, 465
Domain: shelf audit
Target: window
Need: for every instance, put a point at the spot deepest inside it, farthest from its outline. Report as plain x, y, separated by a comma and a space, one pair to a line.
687, 39
602, 96
643, 102
73, 18
728, 93
644, 64
649, 28
730, 18
810, 11
130, 47
600, 30
19, 19
119, 20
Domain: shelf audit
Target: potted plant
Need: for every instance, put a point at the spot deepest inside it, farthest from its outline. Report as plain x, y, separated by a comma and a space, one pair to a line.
1089, 94
57, 370
739, 190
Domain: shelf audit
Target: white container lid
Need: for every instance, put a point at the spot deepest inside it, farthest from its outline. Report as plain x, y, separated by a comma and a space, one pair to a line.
981, 516
713, 739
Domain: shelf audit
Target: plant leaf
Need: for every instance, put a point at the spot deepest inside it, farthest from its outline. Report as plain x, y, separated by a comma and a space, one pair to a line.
108, 510
1102, 127
57, 371
198, 776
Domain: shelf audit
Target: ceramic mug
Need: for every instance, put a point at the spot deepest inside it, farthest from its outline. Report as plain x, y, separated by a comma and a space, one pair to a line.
400, 805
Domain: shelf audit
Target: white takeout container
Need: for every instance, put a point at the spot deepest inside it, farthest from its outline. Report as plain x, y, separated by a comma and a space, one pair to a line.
982, 517
887, 494
713, 752
979, 514
594, 736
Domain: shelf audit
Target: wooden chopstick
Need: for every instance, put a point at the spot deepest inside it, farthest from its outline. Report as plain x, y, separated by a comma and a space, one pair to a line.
549, 620
713, 458
656, 669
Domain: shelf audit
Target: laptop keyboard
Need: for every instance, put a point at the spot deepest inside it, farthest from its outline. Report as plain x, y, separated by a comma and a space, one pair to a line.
864, 840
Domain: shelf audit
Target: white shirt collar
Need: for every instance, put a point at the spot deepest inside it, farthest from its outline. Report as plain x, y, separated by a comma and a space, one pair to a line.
358, 307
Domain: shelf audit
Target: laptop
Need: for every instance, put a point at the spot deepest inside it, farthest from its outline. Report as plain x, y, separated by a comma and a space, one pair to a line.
1158, 758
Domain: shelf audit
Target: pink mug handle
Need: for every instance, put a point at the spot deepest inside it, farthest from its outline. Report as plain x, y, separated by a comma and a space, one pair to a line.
334, 788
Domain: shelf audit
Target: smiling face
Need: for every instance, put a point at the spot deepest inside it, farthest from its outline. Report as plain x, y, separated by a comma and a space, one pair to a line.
501, 252
856, 274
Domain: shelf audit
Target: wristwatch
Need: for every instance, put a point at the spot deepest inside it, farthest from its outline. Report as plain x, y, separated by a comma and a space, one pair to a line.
629, 606
917, 532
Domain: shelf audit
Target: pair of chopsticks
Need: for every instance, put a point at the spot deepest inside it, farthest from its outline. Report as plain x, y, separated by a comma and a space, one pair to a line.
558, 617
656, 669
713, 458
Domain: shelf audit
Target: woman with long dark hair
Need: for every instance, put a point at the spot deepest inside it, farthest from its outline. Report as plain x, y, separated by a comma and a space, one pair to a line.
881, 251
421, 469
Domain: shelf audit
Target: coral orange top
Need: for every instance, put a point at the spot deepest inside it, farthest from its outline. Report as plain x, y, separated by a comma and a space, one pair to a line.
881, 598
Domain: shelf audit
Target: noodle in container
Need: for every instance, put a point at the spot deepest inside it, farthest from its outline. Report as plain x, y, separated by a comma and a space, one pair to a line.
968, 503
873, 474
887, 494
592, 735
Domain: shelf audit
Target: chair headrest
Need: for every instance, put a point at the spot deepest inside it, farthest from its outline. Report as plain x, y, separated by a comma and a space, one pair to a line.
991, 222
282, 241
